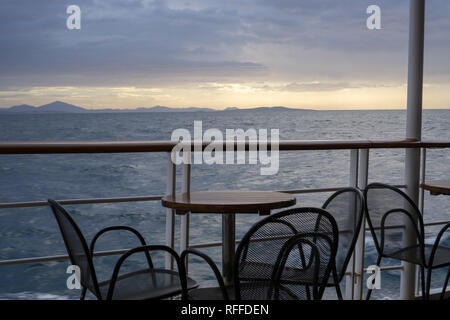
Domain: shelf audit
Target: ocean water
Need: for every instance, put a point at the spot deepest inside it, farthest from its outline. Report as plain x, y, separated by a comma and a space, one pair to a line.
30, 232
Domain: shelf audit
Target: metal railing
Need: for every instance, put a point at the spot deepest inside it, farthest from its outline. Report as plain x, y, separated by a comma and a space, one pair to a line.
359, 172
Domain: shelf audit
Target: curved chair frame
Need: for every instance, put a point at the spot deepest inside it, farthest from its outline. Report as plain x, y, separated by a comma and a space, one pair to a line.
89, 251
337, 277
417, 223
295, 240
274, 219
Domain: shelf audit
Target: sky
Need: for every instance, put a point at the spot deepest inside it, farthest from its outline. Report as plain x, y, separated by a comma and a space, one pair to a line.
315, 54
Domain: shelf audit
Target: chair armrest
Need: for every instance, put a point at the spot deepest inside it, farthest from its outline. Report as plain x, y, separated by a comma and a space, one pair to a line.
124, 228
436, 243
146, 249
212, 265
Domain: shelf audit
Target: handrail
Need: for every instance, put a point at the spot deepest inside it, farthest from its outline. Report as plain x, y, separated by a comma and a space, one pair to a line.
29, 204
167, 146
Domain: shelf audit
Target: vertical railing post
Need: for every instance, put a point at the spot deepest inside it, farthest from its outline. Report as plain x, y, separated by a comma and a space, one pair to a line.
185, 188
363, 177
349, 280
170, 214
422, 190
422, 207
413, 131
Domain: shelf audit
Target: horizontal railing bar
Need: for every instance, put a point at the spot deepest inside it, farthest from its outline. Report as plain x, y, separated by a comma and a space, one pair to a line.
399, 226
122, 251
79, 201
57, 258
430, 224
167, 146
12, 205
207, 245
319, 190
125, 199
316, 190
388, 268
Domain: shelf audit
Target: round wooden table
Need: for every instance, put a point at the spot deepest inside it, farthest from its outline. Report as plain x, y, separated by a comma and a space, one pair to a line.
437, 187
228, 203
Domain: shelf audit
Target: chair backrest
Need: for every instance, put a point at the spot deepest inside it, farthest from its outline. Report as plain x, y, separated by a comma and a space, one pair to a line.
389, 212
258, 255
347, 208
77, 247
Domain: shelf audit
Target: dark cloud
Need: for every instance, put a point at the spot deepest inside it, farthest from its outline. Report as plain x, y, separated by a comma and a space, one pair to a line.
140, 42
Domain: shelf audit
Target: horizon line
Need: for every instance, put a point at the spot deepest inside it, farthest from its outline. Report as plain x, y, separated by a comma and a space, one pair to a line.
229, 108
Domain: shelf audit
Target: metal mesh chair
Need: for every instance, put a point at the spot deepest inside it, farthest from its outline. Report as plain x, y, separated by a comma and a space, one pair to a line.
347, 208
149, 283
286, 256
390, 212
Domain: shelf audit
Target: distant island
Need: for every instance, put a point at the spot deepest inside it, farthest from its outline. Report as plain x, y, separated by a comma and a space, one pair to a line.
63, 107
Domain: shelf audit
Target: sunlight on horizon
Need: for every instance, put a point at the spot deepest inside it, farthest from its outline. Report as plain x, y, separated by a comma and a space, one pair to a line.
224, 95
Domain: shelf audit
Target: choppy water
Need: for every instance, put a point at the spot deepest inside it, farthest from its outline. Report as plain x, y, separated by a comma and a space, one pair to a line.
33, 231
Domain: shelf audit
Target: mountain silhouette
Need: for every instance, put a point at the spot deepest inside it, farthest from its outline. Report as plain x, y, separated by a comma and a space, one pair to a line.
54, 107
63, 107
21, 108
59, 106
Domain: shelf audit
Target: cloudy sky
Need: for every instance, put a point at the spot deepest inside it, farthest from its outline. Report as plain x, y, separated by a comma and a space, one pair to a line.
214, 53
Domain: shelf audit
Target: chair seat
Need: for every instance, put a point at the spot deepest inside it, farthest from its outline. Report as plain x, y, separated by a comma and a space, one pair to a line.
251, 269
211, 293
146, 284
258, 270
249, 291
412, 254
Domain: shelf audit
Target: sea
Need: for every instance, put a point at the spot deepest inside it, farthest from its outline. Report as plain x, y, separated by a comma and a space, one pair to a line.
33, 232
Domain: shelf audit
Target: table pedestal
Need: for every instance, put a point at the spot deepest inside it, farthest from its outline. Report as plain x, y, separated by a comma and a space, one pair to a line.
228, 246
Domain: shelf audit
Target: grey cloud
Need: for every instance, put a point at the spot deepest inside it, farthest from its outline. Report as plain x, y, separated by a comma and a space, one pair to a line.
144, 41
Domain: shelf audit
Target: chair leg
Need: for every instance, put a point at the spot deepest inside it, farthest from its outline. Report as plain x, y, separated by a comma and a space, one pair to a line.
369, 291
308, 292
444, 288
83, 293
422, 278
428, 283
336, 284
338, 291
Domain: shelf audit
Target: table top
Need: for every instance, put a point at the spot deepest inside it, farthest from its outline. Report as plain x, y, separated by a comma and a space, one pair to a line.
228, 201
437, 187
